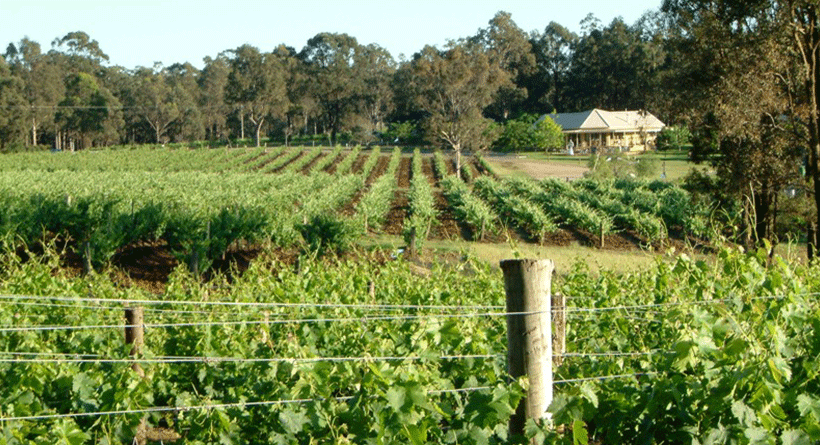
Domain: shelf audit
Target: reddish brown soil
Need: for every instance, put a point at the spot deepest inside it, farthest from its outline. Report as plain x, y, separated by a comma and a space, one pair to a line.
282, 167
398, 211
359, 163
349, 209
306, 168
447, 225
268, 161
404, 172
332, 167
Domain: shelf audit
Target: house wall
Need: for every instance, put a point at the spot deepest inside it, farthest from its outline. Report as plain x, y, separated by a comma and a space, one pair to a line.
632, 141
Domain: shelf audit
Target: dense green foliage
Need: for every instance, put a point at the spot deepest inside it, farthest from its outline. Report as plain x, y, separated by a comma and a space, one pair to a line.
422, 206
687, 351
530, 133
724, 351
330, 353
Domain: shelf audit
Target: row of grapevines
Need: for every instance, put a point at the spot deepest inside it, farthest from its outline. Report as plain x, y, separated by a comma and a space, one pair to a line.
300, 162
343, 167
422, 205
563, 206
280, 162
469, 208
671, 203
371, 162
326, 161
259, 161
374, 205
299, 355
515, 209
723, 351
599, 195
198, 214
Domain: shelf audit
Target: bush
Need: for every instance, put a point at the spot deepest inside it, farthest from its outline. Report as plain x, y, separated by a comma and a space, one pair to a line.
327, 232
673, 138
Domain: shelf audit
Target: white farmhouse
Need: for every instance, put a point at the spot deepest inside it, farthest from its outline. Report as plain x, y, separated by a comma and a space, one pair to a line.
603, 130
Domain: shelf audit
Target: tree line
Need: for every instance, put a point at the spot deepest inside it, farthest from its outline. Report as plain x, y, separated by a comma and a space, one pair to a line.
334, 88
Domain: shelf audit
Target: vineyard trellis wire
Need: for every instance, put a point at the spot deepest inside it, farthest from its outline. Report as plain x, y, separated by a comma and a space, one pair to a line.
468, 311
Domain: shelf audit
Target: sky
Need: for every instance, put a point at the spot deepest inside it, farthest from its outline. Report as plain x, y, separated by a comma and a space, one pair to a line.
141, 32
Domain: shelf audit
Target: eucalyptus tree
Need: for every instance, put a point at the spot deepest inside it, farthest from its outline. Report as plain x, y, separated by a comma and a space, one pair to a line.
212, 104
155, 100
12, 99
257, 84
335, 82
88, 111
612, 67
547, 84
80, 52
510, 49
376, 68
749, 99
300, 105
43, 85
453, 86
183, 79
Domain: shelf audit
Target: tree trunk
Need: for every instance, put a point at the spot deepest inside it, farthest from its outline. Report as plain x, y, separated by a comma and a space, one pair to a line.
242, 123
259, 132
457, 148
763, 216
34, 132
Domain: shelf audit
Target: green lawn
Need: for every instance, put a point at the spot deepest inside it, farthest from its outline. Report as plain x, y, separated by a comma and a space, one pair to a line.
675, 163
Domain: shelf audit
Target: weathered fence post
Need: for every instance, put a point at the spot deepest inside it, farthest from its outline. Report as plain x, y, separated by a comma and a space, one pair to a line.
529, 335
134, 334
559, 328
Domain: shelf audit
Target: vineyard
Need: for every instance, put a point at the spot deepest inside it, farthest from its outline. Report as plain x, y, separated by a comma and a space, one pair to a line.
374, 349
199, 206
373, 352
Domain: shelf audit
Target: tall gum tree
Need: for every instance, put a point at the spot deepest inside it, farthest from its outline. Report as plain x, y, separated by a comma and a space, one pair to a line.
12, 126
335, 83
453, 87
257, 83
750, 71
43, 84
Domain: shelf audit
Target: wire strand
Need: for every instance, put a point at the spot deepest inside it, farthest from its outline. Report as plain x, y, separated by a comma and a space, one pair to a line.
249, 304
215, 360
260, 322
210, 406
605, 377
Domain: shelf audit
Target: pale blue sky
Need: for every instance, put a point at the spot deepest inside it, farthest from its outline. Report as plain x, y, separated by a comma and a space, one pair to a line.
141, 32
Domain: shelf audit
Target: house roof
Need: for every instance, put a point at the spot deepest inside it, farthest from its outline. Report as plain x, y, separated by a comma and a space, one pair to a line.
602, 121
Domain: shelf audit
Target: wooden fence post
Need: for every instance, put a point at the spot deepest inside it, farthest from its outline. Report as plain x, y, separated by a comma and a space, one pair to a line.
134, 334
559, 328
529, 335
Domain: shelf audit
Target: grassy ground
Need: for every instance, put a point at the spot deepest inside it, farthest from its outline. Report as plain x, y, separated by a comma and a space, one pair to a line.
564, 257
675, 163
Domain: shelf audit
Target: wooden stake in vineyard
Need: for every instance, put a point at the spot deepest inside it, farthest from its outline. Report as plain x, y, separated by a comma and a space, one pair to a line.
135, 336
529, 335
